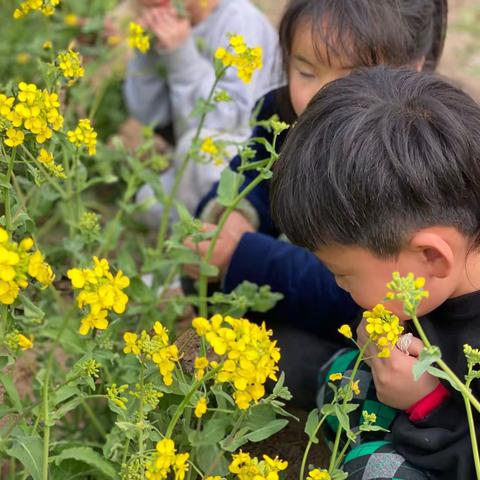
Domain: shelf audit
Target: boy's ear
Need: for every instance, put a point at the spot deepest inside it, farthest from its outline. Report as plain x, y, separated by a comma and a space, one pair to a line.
436, 253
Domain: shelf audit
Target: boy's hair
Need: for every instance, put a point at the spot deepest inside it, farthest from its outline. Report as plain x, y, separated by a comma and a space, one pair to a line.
370, 32
376, 156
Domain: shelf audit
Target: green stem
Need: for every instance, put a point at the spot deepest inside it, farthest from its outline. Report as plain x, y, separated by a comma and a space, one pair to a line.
333, 458
202, 284
98, 426
141, 415
458, 383
229, 440
308, 447
162, 233
54, 185
8, 207
186, 400
46, 430
473, 436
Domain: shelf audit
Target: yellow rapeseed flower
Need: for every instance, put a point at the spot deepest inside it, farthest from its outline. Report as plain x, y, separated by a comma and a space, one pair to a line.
201, 407
137, 38
16, 264
14, 137
356, 387
318, 474
250, 356
71, 20
101, 292
201, 363
70, 63
335, 376
23, 342
383, 328
84, 134
346, 331
131, 344
23, 58
246, 467
47, 45
46, 159
245, 59
47, 7
166, 460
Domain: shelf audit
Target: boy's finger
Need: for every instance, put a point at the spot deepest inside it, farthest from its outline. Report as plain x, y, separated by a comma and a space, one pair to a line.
415, 347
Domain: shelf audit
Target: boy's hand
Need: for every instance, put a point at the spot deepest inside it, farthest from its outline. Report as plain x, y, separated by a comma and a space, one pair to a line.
393, 376
170, 30
233, 230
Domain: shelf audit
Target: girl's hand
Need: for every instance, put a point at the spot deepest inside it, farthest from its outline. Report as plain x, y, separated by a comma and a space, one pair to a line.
393, 376
233, 230
170, 30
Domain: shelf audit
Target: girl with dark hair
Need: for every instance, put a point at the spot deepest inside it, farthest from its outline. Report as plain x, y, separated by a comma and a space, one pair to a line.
321, 40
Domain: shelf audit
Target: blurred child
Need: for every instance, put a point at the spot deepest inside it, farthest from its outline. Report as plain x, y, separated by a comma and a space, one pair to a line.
382, 174
321, 40
163, 86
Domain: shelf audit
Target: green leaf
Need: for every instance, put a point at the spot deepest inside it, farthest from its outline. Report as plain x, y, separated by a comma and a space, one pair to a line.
206, 456
267, 431
31, 311
259, 416
214, 431
428, 356
229, 186
28, 450
344, 421
313, 420
436, 372
90, 457
239, 439
11, 391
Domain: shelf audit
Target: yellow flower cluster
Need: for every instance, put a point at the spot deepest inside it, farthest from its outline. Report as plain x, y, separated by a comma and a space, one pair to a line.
248, 468
156, 348
46, 159
47, 7
245, 59
317, 474
137, 38
166, 460
250, 356
101, 291
16, 262
383, 328
115, 393
211, 148
409, 290
34, 109
84, 134
70, 63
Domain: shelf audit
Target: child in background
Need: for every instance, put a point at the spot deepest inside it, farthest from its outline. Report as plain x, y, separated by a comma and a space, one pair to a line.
163, 86
321, 40
382, 174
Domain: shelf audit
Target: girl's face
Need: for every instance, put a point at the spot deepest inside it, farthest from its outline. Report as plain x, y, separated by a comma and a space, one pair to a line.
307, 72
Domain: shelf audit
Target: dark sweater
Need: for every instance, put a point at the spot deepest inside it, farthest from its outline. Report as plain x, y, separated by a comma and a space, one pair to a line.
312, 300
440, 443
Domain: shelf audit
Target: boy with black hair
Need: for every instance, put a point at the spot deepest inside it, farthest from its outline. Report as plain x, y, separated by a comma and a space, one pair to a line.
381, 174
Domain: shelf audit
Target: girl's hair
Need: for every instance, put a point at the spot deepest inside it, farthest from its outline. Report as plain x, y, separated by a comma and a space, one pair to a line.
369, 32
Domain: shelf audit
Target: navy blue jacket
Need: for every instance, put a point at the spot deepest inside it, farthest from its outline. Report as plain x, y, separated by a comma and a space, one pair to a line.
312, 300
